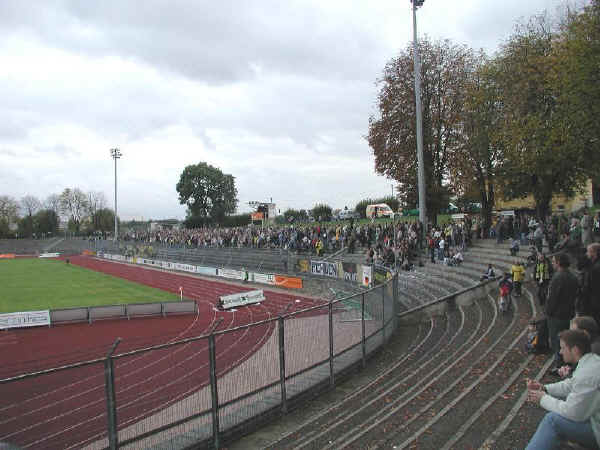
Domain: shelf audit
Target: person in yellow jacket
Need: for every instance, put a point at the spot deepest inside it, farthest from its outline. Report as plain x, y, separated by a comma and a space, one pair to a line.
518, 275
319, 247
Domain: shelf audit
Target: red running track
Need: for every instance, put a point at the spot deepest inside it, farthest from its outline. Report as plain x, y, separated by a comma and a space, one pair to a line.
67, 409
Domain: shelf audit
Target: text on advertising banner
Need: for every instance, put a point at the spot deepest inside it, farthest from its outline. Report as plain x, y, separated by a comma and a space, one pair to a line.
24, 319
323, 268
241, 299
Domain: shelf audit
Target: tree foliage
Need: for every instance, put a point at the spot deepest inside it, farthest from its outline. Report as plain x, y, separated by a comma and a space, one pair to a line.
472, 167
8, 214
295, 215
392, 136
322, 212
544, 154
207, 192
97, 211
45, 222
73, 204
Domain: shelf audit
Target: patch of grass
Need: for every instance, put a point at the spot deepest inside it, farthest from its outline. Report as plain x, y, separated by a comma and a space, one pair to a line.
31, 284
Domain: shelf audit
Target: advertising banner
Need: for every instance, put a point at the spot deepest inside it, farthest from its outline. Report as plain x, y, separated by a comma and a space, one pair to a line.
367, 277
230, 273
241, 299
24, 319
350, 272
206, 271
324, 268
288, 282
262, 278
7, 256
49, 255
185, 267
88, 253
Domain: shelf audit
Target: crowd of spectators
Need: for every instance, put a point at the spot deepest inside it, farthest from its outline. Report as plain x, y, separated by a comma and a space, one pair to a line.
385, 243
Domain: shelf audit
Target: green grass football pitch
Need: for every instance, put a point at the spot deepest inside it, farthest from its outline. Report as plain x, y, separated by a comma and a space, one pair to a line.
32, 284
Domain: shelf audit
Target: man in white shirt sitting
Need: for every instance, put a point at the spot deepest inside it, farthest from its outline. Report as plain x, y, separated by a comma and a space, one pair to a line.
574, 403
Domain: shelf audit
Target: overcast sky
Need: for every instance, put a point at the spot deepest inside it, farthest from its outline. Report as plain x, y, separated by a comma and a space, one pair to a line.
276, 93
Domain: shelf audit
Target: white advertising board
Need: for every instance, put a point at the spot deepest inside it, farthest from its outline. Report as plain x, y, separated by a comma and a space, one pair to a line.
241, 299
24, 319
185, 267
263, 278
206, 270
230, 273
49, 255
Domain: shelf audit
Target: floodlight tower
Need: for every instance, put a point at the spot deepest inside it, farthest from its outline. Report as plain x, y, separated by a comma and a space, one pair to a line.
115, 153
417, 68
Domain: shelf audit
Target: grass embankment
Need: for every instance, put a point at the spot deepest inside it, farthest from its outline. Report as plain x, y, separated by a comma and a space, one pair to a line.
37, 284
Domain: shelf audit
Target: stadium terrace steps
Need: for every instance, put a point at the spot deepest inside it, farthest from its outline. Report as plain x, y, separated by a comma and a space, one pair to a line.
463, 387
26, 246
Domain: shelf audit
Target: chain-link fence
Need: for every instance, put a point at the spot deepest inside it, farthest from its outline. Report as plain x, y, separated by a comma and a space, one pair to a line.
196, 391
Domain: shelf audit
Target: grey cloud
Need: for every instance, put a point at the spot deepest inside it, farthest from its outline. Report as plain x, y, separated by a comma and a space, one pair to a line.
216, 43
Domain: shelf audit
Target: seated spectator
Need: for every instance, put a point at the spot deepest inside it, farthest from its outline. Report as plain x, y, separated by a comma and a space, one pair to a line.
489, 274
573, 404
589, 325
514, 247
458, 258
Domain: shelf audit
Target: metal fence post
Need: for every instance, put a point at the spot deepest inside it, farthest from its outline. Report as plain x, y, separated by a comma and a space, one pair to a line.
213, 389
363, 337
331, 375
111, 401
395, 299
282, 364
383, 310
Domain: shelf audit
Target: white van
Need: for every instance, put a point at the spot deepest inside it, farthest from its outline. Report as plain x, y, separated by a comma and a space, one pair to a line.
379, 210
347, 214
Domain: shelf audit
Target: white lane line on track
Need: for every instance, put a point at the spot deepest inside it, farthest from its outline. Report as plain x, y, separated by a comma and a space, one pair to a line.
133, 420
168, 385
196, 281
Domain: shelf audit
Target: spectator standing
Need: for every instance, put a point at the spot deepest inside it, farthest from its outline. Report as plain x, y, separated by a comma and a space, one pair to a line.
518, 275
542, 275
589, 301
574, 403
538, 237
586, 228
560, 305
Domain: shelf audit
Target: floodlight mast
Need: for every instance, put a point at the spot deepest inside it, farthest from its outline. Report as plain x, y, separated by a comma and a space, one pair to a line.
115, 153
419, 113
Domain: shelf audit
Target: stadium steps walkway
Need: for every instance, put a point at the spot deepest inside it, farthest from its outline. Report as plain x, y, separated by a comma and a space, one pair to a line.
462, 388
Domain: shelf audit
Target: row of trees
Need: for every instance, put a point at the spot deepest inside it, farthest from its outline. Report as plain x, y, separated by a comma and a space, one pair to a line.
523, 122
83, 212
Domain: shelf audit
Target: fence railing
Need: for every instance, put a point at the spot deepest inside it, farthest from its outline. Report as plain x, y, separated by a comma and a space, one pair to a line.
197, 390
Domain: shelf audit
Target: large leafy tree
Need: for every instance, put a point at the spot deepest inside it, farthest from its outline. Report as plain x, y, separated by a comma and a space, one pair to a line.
445, 69
322, 212
30, 205
45, 222
207, 192
9, 209
576, 80
97, 211
474, 161
546, 150
73, 204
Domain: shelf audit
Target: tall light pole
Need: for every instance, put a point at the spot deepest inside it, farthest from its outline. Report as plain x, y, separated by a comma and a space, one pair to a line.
115, 153
420, 161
